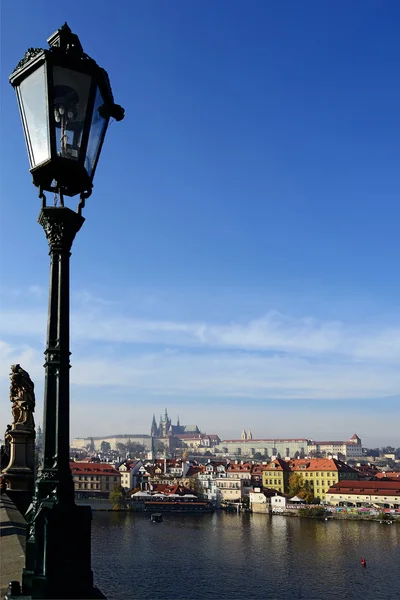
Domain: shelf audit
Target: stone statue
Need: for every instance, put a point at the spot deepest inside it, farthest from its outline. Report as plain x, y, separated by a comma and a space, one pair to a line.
22, 396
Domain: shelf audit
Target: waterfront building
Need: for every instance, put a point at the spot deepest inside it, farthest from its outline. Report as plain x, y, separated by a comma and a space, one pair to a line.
276, 475
235, 483
207, 480
278, 502
232, 489
258, 501
266, 500
94, 479
379, 493
350, 449
321, 473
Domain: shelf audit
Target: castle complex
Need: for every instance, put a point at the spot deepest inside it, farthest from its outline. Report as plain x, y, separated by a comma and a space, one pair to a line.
166, 429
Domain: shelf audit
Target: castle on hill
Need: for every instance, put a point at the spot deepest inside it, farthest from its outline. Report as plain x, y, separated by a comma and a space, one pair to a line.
165, 428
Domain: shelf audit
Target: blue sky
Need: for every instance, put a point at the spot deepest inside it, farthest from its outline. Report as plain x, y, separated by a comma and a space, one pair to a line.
239, 261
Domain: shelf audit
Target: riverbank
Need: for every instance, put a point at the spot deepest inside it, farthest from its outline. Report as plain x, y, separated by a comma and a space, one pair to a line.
330, 513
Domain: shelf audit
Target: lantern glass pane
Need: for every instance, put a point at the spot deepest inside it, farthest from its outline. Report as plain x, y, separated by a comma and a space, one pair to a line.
32, 95
70, 104
96, 134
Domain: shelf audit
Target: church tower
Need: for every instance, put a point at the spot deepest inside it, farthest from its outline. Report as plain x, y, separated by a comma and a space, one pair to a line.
249, 435
154, 428
244, 435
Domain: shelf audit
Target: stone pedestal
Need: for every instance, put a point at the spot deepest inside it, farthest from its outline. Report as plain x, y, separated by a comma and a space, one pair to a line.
19, 473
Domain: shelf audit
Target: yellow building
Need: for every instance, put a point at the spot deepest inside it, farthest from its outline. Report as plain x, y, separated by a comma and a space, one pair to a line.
94, 479
276, 475
321, 473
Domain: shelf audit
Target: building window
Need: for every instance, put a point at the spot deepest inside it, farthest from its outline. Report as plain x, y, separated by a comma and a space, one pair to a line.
107, 486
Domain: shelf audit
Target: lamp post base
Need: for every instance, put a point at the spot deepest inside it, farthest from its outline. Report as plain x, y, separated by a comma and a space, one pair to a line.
58, 552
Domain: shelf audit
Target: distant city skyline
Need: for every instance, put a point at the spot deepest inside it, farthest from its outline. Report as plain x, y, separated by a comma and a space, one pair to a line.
239, 259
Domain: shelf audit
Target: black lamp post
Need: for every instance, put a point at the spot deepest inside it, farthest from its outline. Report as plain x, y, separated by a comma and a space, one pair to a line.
66, 102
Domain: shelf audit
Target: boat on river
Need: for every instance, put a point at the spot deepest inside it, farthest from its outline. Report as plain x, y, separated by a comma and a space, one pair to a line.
188, 503
156, 518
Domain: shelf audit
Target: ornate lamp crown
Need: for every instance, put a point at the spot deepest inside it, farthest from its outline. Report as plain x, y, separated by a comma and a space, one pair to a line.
66, 103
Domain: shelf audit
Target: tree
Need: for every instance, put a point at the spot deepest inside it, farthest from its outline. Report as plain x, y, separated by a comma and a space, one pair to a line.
371, 452
90, 446
105, 447
118, 497
258, 456
295, 483
134, 449
301, 488
196, 486
121, 448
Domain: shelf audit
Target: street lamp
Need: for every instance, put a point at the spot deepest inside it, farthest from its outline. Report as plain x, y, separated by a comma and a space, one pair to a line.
66, 103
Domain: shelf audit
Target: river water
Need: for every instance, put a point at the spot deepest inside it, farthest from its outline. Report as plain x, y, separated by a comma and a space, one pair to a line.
242, 557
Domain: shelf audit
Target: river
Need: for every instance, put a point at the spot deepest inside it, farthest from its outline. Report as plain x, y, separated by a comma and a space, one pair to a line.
242, 557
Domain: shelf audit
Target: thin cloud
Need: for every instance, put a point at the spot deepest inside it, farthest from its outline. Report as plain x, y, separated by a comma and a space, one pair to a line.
274, 332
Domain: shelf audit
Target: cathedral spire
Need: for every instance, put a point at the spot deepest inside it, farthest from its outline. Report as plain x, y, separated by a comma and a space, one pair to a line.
154, 428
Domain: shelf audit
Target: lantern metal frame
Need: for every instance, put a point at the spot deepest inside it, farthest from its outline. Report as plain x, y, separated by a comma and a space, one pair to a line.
60, 174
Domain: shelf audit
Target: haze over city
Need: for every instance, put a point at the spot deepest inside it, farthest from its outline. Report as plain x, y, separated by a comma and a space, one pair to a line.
239, 259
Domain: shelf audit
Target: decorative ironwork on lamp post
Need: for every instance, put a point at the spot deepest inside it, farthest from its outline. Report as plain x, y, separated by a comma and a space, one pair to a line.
66, 103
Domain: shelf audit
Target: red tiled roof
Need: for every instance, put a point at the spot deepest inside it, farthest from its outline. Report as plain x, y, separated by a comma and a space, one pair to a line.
321, 464
311, 464
388, 474
240, 467
166, 488
270, 492
93, 468
280, 465
363, 487
258, 469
